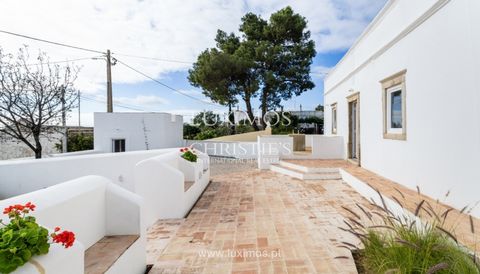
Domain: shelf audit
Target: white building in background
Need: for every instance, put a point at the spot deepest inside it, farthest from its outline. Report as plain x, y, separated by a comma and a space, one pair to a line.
130, 131
406, 97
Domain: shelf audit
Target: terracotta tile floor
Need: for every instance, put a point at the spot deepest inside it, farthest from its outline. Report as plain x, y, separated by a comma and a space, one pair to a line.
263, 222
293, 222
460, 222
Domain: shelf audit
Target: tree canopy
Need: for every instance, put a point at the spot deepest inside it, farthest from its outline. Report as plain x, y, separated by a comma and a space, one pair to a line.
271, 59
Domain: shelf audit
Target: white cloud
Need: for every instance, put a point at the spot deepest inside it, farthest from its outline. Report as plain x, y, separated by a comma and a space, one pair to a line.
142, 100
320, 71
167, 29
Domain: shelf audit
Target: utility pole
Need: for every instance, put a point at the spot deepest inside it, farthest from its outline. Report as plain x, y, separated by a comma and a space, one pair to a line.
109, 83
79, 125
64, 122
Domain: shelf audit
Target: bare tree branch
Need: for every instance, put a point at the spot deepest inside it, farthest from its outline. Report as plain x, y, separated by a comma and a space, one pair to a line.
31, 97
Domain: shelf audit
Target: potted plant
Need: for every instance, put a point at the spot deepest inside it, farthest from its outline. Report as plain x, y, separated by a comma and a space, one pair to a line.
189, 154
22, 238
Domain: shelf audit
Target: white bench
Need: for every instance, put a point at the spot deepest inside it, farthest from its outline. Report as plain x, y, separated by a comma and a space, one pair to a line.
101, 214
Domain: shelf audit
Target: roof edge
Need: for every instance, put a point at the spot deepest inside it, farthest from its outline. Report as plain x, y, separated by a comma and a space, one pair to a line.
376, 20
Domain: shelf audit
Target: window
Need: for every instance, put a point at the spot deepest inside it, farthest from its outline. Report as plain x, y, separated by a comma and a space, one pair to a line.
334, 118
394, 107
118, 145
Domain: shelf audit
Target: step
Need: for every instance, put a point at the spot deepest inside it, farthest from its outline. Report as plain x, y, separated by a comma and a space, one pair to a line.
187, 185
305, 169
305, 175
103, 254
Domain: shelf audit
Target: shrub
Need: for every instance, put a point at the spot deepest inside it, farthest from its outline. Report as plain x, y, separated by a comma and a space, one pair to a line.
23, 238
190, 131
77, 142
207, 133
404, 244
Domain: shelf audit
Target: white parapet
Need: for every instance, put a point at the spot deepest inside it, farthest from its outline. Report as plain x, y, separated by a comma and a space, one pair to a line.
170, 185
228, 149
327, 147
24, 176
272, 148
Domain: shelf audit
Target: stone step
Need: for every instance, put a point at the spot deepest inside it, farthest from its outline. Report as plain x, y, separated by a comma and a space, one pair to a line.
305, 175
305, 169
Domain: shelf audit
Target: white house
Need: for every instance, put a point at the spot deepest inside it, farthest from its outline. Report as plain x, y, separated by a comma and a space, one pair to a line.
406, 98
130, 131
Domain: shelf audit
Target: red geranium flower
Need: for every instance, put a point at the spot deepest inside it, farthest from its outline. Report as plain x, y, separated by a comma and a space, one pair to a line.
66, 238
30, 206
17, 209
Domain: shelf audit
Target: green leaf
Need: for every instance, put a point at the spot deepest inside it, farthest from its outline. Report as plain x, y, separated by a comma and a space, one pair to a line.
25, 254
43, 248
13, 250
7, 236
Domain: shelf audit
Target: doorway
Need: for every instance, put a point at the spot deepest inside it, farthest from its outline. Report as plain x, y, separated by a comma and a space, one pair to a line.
354, 128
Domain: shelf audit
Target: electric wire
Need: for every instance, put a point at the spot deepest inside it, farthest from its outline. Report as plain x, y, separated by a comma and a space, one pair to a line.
50, 42
153, 58
165, 85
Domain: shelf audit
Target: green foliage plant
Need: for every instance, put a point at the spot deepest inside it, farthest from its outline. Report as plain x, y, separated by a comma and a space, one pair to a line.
188, 154
22, 238
393, 243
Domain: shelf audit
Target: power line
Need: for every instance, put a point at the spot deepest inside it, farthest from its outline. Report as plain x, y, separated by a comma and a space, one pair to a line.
137, 108
153, 58
50, 42
65, 61
92, 50
165, 85
135, 56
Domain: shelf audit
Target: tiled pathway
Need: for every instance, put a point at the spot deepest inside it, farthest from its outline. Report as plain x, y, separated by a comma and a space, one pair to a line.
263, 222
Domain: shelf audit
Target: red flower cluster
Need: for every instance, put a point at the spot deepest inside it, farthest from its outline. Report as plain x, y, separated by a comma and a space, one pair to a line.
66, 238
17, 209
185, 149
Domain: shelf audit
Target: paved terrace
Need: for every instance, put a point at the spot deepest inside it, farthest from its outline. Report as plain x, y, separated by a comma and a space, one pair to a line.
293, 223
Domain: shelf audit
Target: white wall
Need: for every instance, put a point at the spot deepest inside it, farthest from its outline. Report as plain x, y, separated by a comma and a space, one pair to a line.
19, 177
442, 59
158, 176
230, 149
272, 148
161, 179
13, 149
159, 130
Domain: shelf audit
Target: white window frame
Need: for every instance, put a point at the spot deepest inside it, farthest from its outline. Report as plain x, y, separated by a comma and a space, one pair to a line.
389, 92
334, 118
389, 85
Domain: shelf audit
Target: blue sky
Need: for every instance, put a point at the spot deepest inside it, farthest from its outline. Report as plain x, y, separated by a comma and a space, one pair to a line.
182, 104
166, 30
